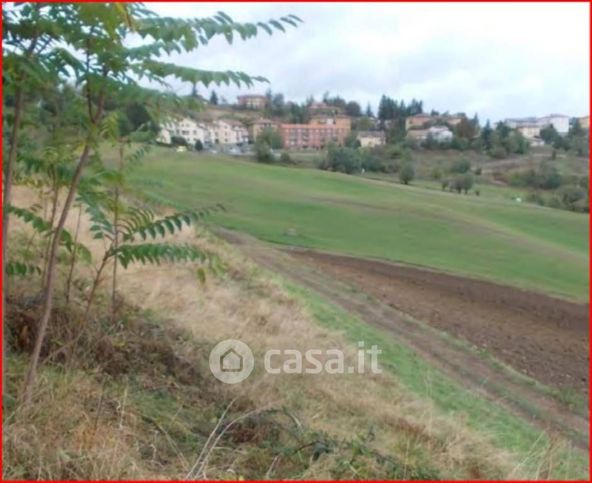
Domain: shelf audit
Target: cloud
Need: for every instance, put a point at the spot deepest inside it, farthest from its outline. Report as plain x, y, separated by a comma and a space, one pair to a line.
499, 59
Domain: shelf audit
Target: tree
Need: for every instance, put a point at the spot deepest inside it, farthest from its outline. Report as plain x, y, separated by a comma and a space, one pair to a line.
179, 141
271, 137
517, 143
463, 182
369, 112
406, 173
90, 44
549, 134
343, 160
214, 98
363, 123
26, 67
486, 137
352, 141
199, 145
263, 152
465, 129
353, 109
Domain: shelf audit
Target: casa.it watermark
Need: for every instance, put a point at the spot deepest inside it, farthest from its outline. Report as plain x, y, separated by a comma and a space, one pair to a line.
232, 361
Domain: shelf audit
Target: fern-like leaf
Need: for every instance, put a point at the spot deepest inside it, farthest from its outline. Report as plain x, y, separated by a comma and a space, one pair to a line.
156, 253
20, 269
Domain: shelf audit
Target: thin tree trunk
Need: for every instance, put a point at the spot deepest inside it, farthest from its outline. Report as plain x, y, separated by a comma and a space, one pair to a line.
48, 291
54, 209
6, 200
95, 285
116, 236
51, 276
73, 259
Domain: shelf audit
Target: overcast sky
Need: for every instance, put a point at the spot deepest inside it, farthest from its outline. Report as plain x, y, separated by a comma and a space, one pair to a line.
498, 60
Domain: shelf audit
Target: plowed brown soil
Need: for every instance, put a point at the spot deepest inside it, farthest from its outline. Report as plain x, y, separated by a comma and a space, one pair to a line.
543, 337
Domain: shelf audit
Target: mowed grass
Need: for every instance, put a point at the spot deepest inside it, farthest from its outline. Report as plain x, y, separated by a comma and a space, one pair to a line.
508, 242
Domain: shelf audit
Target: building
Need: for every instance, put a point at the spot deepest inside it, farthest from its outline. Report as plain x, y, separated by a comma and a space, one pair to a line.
187, 128
558, 121
440, 134
418, 121
529, 131
452, 120
259, 125
317, 134
370, 139
252, 101
322, 108
423, 121
229, 131
584, 122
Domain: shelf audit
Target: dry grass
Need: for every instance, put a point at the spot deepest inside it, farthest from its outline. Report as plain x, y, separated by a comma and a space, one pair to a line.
61, 436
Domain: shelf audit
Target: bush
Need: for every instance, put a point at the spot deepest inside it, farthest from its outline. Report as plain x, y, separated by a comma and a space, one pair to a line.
373, 163
270, 136
460, 166
199, 145
463, 182
406, 173
545, 177
535, 197
571, 195
178, 141
263, 152
141, 136
285, 158
343, 160
498, 152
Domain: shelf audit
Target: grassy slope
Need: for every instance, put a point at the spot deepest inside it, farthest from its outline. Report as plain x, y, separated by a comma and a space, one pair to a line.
506, 430
523, 245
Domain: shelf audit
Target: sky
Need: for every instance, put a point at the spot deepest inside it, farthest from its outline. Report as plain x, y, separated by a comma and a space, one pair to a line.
497, 60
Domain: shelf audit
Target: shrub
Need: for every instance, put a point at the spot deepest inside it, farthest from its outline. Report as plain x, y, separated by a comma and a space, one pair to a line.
343, 160
463, 182
178, 141
571, 195
406, 173
263, 152
460, 165
285, 158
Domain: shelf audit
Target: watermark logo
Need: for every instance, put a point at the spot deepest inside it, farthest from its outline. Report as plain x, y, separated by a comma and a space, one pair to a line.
231, 361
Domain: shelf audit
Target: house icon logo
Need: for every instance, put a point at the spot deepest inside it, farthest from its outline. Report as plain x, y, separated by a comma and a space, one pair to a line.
231, 361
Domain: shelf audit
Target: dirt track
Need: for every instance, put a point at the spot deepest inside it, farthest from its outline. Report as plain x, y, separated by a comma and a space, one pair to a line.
524, 329
543, 337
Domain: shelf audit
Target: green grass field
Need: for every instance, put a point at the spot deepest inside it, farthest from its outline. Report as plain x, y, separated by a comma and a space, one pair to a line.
485, 237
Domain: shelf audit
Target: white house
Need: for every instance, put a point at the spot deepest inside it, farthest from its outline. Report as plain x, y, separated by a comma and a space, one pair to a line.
558, 121
440, 133
187, 128
369, 139
229, 131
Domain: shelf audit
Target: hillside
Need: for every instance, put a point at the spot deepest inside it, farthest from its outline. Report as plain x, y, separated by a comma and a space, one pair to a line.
143, 404
484, 237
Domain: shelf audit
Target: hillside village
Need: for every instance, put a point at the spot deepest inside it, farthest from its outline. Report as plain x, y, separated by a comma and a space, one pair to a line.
232, 128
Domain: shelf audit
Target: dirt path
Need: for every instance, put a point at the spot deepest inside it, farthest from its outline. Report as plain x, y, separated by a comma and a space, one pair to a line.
484, 314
